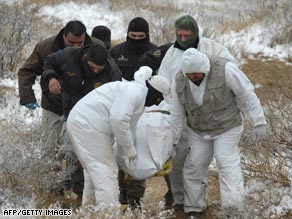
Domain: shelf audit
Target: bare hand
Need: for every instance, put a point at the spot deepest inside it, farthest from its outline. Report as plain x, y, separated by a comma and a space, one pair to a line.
55, 86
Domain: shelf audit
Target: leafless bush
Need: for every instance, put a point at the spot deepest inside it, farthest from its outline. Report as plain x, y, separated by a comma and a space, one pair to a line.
16, 30
24, 169
272, 159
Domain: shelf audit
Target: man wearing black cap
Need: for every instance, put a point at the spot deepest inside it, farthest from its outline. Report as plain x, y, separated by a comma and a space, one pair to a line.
102, 33
74, 72
128, 53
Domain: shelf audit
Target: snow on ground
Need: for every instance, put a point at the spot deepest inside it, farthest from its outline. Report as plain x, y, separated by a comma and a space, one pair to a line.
255, 40
90, 15
12, 110
250, 40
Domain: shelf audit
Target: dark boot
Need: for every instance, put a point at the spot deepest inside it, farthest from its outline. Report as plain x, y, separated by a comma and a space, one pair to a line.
168, 198
135, 192
123, 197
123, 188
194, 215
134, 203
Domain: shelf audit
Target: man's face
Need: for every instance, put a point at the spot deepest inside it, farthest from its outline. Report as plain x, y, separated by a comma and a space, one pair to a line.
196, 76
72, 40
94, 67
183, 35
136, 35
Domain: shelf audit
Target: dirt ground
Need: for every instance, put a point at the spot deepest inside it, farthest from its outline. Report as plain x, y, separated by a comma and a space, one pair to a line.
269, 78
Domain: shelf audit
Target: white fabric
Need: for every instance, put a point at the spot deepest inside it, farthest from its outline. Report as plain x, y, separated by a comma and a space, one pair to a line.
162, 85
224, 146
227, 155
210, 47
194, 61
159, 83
241, 86
178, 161
143, 74
153, 143
170, 66
171, 63
260, 132
88, 197
111, 110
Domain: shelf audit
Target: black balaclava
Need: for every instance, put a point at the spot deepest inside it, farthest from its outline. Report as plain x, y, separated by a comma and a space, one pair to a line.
138, 24
97, 54
102, 33
187, 22
152, 96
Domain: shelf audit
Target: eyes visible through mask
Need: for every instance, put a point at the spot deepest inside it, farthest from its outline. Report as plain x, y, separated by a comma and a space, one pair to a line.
137, 35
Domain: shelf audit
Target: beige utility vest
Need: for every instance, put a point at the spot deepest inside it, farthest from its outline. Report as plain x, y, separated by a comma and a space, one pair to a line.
219, 111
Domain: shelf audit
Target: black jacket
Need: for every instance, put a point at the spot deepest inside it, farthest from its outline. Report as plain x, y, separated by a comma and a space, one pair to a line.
127, 55
33, 67
67, 66
153, 58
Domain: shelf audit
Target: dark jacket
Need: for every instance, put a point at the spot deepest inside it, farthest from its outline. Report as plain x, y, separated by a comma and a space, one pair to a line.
67, 66
153, 58
127, 55
33, 67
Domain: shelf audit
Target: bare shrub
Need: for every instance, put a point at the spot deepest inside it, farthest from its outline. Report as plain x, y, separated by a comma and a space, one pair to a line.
272, 159
16, 30
24, 169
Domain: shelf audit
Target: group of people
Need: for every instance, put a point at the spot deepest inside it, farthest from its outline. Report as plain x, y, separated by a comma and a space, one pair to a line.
93, 95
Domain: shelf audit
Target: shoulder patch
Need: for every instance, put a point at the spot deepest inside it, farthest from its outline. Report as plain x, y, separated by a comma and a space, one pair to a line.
157, 53
97, 84
71, 74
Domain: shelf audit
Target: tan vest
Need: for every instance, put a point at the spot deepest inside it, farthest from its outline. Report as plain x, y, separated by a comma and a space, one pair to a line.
219, 111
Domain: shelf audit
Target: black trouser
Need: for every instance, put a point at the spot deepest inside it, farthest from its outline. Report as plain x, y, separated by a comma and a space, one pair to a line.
131, 190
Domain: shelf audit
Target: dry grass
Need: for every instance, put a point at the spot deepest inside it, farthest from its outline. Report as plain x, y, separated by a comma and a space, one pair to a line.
273, 76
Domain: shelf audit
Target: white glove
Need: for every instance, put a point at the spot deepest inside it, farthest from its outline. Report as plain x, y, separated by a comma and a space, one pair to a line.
260, 131
132, 154
127, 152
173, 153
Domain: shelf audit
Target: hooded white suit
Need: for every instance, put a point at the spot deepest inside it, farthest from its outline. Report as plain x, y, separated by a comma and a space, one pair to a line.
111, 110
224, 146
108, 113
170, 65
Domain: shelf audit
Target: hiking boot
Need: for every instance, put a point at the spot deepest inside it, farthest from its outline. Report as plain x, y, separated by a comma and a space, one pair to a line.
168, 199
179, 207
194, 215
123, 197
134, 203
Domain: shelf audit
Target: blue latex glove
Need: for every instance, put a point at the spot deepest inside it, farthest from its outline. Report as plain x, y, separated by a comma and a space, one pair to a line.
32, 105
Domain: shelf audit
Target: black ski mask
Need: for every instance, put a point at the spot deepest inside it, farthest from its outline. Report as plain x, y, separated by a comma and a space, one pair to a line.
138, 24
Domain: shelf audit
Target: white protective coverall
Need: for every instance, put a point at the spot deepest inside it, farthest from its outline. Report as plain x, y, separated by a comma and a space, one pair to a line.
108, 113
224, 147
154, 143
170, 65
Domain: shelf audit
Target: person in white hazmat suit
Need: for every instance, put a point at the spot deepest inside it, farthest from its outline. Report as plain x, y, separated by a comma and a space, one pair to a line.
213, 94
108, 113
188, 35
